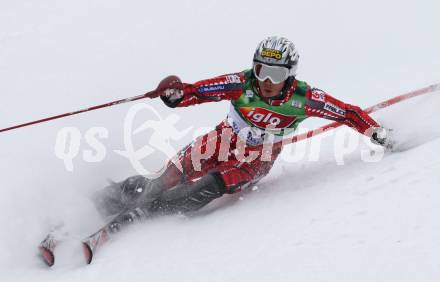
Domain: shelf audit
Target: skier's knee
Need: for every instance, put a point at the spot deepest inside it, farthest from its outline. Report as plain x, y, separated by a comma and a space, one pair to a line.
137, 189
192, 197
132, 192
108, 200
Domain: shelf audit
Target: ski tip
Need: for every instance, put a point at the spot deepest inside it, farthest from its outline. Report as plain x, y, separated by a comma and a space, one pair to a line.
47, 255
88, 254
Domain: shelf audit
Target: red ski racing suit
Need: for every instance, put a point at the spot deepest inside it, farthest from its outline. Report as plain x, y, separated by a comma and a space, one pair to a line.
252, 122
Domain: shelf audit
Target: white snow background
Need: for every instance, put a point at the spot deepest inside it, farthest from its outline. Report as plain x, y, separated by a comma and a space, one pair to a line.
307, 221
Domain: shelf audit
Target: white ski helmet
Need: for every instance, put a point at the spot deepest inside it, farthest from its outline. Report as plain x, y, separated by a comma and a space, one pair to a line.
277, 51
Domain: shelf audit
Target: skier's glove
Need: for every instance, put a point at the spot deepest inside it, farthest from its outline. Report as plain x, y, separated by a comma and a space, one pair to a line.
173, 95
381, 136
170, 89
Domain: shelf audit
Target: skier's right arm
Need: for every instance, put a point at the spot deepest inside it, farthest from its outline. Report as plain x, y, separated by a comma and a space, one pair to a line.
174, 93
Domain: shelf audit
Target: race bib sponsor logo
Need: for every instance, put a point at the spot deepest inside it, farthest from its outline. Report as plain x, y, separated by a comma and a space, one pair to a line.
318, 95
334, 109
264, 118
249, 93
296, 104
271, 53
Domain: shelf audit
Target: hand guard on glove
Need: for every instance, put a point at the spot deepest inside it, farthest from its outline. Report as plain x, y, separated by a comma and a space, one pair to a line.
170, 89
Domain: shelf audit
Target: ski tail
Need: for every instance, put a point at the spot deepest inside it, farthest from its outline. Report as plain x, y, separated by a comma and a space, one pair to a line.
47, 255
93, 242
88, 253
47, 248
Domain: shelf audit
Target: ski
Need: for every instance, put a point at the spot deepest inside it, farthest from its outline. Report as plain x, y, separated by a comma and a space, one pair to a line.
95, 241
91, 243
47, 247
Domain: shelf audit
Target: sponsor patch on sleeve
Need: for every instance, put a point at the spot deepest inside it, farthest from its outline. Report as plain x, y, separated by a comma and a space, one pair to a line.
318, 95
225, 83
233, 78
334, 109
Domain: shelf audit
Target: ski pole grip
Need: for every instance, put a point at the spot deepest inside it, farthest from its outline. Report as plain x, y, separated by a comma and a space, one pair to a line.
169, 82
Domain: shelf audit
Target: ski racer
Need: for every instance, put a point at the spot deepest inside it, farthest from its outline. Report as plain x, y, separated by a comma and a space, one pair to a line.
266, 103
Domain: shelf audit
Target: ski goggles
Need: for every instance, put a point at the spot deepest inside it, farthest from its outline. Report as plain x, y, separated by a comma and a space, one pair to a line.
276, 74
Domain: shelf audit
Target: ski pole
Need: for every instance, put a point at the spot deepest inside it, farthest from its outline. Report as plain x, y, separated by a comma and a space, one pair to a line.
117, 102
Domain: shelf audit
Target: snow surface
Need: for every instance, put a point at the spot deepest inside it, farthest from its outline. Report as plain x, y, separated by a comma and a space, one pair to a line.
312, 220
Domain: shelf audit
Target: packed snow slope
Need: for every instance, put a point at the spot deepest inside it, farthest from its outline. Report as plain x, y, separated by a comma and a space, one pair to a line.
324, 213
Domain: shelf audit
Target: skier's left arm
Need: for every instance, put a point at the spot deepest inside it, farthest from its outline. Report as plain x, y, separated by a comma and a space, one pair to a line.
321, 104
175, 93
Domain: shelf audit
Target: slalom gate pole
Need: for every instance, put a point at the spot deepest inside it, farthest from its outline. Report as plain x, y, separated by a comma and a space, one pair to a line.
117, 102
374, 108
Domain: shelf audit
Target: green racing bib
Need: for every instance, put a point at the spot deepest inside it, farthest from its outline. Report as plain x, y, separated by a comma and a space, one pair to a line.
250, 110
